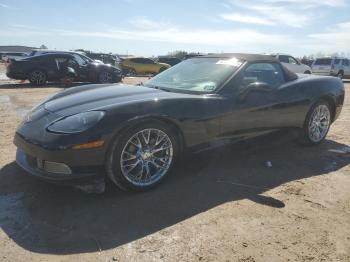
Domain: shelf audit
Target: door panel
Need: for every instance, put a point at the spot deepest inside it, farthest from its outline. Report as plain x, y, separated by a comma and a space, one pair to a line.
261, 111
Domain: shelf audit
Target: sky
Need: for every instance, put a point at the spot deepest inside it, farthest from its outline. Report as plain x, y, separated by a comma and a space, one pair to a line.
155, 27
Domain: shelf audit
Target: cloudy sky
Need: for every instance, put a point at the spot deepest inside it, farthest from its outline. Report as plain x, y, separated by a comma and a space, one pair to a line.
146, 27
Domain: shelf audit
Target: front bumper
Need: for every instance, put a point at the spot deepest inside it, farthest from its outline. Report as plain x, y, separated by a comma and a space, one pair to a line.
89, 178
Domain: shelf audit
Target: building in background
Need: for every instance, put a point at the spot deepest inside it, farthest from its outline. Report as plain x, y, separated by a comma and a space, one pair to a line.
17, 48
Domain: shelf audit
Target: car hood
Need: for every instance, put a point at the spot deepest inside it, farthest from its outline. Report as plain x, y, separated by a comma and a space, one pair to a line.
101, 97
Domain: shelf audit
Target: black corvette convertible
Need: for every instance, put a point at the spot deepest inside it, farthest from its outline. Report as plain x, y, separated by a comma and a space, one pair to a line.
134, 134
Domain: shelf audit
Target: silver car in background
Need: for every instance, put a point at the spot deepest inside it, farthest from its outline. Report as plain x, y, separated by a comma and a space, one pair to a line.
331, 66
293, 64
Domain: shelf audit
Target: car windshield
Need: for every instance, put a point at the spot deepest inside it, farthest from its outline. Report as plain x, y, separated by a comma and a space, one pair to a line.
201, 75
323, 61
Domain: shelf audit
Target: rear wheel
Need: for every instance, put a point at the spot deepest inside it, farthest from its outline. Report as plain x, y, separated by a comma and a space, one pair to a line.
37, 78
307, 72
317, 123
142, 156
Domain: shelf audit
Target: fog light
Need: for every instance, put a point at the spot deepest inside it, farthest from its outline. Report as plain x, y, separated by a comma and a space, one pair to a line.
54, 167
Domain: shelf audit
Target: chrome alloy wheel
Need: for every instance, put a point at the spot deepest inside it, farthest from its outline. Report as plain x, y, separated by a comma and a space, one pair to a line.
38, 77
319, 123
146, 157
106, 77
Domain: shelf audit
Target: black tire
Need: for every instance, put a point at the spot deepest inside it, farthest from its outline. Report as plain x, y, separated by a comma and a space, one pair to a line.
340, 75
306, 136
37, 78
307, 72
114, 155
105, 77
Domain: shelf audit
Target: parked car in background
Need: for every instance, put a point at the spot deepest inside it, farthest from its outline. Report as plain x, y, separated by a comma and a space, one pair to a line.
45, 51
53, 66
134, 134
168, 60
292, 64
140, 65
104, 58
332, 66
7, 56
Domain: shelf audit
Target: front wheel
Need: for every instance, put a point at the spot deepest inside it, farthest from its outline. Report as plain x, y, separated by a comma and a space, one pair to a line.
105, 77
317, 123
142, 156
37, 78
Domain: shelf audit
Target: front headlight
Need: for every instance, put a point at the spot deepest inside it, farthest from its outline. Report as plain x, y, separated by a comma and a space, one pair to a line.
76, 123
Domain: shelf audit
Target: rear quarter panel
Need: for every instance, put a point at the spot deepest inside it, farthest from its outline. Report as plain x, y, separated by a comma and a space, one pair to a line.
314, 88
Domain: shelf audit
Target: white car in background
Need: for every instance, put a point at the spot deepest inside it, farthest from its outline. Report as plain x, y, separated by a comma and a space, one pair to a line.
331, 66
292, 64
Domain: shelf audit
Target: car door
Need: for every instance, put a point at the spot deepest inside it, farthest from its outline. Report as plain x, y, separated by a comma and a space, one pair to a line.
48, 62
295, 65
81, 67
60, 66
149, 66
251, 112
136, 63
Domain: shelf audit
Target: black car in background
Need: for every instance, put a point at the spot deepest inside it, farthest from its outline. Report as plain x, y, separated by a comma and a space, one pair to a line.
55, 66
168, 60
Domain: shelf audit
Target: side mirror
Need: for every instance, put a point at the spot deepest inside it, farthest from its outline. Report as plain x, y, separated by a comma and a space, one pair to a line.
258, 86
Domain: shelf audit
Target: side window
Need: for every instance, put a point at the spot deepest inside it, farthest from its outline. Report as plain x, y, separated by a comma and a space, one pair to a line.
346, 62
283, 59
292, 60
269, 73
79, 60
337, 61
136, 60
61, 62
147, 61
72, 62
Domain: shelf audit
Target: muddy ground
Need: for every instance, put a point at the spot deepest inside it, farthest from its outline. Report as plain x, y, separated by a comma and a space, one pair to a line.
219, 205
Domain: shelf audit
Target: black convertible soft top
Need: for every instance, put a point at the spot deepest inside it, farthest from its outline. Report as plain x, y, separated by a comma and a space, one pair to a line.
289, 76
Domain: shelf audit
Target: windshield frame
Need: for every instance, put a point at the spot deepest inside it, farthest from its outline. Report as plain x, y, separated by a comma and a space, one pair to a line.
220, 85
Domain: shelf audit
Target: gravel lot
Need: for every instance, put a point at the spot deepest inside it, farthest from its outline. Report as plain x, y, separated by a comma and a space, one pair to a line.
221, 205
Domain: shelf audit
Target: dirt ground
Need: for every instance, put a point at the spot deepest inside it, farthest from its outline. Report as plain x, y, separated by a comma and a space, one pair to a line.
219, 205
